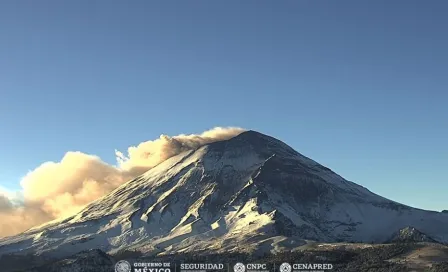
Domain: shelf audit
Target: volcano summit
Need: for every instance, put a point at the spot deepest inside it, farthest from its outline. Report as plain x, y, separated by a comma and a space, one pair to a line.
251, 193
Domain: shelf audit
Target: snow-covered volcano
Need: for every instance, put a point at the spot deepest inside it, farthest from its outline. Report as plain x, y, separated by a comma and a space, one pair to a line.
252, 192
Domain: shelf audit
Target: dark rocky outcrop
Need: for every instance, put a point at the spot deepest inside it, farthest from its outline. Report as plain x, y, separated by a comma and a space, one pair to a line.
410, 235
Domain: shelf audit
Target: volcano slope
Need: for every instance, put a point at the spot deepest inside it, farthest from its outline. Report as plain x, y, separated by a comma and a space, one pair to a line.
252, 193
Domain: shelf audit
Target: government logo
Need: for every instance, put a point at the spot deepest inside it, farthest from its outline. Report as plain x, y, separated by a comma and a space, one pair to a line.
239, 267
285, 267
122, 266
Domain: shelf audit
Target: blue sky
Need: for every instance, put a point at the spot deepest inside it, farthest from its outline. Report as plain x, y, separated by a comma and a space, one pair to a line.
359, 86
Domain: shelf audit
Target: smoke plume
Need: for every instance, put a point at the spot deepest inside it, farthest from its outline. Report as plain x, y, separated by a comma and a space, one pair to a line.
59, 189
